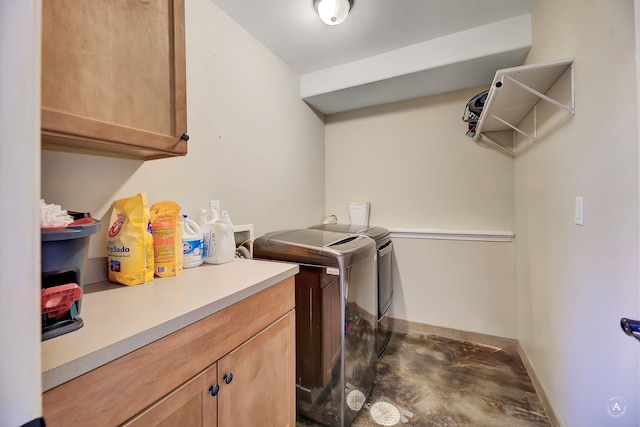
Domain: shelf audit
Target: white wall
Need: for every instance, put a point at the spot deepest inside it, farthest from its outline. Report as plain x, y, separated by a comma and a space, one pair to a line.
467, 286
414, 163
575, 283
20, 400
255, 145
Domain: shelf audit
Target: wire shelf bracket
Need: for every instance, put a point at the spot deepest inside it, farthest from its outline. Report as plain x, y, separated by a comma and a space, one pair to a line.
515, 93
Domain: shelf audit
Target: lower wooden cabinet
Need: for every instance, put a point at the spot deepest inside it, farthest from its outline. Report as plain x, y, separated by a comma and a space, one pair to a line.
251, 386
261, 391
192, 404
233, 368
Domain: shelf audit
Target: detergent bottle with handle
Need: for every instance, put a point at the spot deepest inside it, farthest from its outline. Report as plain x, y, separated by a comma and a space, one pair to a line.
207, 220
192, 242
225, 244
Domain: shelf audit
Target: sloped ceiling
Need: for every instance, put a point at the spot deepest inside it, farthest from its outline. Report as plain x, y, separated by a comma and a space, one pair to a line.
389, 50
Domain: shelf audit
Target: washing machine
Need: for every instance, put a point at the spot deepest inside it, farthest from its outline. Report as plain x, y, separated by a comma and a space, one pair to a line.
336, 319
384, 248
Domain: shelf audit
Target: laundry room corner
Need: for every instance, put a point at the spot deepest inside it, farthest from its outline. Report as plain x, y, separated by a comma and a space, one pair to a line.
425, 177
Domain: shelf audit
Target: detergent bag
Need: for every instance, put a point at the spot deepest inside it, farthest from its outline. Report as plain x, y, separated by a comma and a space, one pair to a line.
167, 229
130, 242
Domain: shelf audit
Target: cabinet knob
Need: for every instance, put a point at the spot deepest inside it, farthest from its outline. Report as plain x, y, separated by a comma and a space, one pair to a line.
185, 136
214, 389
228, 378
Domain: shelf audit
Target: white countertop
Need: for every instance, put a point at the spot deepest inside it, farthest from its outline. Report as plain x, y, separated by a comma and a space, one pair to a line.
122, 318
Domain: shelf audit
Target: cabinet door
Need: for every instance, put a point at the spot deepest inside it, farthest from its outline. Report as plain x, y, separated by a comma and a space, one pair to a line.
193, 404
261, 391
113, 76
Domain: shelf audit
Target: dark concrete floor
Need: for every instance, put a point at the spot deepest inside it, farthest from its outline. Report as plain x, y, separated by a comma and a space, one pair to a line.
426, 380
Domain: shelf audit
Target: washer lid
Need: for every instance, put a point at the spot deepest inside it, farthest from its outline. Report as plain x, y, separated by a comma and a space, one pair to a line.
342, 228
374, 232
306, 237
320, 247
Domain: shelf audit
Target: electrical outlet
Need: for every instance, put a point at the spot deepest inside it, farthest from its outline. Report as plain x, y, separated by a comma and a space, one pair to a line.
579, 211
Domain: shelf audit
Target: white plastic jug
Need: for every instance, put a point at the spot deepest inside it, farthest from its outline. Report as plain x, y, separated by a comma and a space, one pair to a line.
207, 220
219, 244
224, 243
192, 244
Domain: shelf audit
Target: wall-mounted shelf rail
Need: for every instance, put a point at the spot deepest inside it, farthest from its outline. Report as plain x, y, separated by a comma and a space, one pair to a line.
438, 234
514, 94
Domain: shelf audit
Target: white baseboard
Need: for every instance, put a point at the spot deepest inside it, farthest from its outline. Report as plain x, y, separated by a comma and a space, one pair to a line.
506, 344
542, 394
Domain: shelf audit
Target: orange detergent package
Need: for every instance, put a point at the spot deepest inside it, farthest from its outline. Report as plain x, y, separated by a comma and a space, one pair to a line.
167, 228
130, 243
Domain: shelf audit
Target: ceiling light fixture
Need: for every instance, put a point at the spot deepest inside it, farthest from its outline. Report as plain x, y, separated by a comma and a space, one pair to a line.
333, 12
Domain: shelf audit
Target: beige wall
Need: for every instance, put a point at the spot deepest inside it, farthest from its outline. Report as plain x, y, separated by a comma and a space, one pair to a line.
575, 283
414, 163
467, 286
255, 145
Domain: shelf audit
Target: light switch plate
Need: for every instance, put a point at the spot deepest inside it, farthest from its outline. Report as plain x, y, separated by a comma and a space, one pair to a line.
579, 211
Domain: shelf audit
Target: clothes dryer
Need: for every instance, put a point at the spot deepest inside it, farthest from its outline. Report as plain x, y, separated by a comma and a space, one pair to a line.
384, 248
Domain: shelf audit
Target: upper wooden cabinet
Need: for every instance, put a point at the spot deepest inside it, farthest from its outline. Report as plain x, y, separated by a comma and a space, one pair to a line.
113, 77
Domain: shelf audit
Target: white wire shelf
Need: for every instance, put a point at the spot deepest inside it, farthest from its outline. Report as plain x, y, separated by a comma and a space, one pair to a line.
514, 94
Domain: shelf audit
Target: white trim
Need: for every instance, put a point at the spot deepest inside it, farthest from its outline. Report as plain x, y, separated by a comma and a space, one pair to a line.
547, 404
468, 235
20, 370
637, 38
